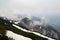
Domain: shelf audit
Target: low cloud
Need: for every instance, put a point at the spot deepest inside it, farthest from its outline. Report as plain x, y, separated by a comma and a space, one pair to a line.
29, 7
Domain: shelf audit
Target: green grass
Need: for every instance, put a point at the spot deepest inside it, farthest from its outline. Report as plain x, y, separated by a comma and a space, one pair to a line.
20, 32
4, 27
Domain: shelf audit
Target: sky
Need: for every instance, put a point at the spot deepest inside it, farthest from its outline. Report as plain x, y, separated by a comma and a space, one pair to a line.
43, 8
31, 7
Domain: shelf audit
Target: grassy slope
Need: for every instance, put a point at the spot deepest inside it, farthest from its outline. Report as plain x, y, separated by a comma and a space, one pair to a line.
17, 31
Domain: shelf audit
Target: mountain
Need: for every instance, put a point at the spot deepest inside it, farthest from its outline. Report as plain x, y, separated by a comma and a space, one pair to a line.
34, 25
8, 26
35, 18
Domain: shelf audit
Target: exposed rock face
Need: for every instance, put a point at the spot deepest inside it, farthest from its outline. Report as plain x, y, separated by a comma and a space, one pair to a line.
32, 25
46, 31
35, 26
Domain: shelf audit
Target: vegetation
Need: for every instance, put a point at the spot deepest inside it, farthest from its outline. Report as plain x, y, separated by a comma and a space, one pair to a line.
2, 33
8, 26
5, 38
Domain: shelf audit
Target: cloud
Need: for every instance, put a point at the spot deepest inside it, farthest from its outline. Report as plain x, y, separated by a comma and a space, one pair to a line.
30, 7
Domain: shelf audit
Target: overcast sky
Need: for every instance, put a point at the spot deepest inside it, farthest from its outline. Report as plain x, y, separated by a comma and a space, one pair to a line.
31, 7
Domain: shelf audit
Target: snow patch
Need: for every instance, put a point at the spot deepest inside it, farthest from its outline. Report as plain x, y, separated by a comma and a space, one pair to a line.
16, 36
33, 32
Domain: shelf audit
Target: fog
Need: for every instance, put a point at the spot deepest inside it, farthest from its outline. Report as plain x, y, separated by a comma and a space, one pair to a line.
41, 8
30, 7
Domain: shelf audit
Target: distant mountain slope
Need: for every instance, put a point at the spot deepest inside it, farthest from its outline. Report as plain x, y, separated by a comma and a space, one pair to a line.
47, 29
8, 26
